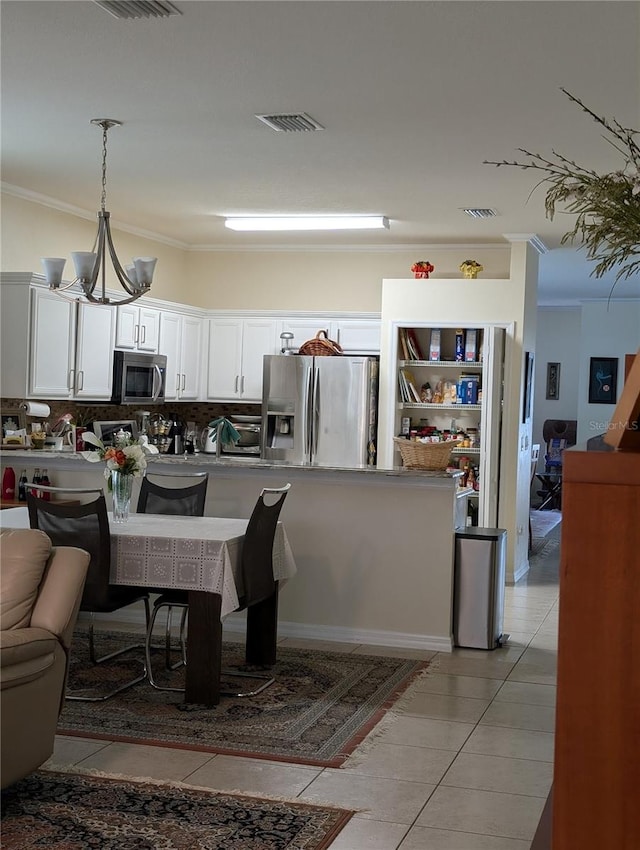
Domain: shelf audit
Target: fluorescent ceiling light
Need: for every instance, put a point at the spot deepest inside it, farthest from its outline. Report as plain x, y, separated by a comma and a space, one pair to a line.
307, 222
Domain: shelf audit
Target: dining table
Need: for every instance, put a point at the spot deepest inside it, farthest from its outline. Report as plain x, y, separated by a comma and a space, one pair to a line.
203, 556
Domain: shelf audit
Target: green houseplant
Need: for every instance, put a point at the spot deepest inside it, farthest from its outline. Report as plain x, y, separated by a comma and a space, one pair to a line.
607, 206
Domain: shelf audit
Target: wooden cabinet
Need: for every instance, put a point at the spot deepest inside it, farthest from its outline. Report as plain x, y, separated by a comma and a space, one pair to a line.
428, 395
236, 349
181, 341
138, 328
597, 745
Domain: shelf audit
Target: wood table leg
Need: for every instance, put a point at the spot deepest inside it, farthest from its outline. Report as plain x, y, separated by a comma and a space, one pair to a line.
204, 646
262, 631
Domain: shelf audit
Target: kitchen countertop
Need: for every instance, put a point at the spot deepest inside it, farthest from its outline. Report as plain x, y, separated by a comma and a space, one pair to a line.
70, 460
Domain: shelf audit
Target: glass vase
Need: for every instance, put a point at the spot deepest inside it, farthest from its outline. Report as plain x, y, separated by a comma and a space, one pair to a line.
121, 485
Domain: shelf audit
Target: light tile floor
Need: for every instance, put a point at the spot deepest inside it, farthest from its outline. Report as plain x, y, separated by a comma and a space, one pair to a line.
463, 762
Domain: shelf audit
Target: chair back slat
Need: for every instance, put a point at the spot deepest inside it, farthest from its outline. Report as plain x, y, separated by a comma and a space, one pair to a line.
176, 501
257, 548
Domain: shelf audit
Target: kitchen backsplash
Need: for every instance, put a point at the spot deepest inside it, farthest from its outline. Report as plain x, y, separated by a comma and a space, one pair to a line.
194, 411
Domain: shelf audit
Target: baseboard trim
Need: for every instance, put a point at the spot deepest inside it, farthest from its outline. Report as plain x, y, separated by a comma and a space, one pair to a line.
338, 634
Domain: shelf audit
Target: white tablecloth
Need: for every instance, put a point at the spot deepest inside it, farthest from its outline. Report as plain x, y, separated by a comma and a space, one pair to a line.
186, 553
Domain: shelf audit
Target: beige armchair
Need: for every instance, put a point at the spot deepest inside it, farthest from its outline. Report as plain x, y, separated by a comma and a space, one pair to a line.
40, 592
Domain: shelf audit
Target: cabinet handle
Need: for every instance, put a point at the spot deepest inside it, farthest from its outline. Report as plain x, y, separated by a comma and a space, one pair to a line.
80, 380
235, 386
184, 381
143, 334
177, 382
136, 333
242, 385
71, 383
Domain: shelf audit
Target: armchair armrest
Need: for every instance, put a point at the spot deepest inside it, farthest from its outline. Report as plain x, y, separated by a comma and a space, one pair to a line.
58, 601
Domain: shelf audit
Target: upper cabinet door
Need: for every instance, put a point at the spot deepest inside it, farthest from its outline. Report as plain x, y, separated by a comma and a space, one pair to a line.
225, 358
169, 345
358, 336
190, 350
259, 338
304, 329
138, 328
53, 327
94, 351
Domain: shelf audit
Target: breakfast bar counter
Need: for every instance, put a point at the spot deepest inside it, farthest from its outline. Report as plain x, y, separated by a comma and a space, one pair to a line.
374, 548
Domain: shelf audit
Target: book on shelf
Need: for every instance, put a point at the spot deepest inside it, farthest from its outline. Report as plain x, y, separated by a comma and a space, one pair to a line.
414, 345
404, 347
410, 384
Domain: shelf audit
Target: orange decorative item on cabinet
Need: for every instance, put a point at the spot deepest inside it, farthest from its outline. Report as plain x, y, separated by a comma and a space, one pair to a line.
422, 268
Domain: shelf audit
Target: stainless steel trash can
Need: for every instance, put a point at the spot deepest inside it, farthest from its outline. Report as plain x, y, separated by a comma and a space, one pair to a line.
478, 594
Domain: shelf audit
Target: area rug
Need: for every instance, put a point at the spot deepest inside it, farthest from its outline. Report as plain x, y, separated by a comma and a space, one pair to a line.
322, 705
542, 523
63, 811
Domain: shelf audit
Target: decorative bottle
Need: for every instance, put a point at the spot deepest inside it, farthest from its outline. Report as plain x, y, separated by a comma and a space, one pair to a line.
22, 486
36, 480
9, 484
44, 479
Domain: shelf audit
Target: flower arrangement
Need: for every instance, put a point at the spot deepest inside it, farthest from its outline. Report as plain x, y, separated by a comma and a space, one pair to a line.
607, 205
470, 269
422, 268
126, 455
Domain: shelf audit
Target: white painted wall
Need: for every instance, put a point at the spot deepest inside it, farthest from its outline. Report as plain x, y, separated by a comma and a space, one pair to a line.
606, 330
557, 336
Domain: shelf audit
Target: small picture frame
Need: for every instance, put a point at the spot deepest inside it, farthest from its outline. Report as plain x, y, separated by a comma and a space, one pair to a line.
13, 419
603, 380
553, 381
527, 397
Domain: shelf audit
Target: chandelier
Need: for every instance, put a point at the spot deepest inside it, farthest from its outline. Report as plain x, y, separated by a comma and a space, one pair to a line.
90, 266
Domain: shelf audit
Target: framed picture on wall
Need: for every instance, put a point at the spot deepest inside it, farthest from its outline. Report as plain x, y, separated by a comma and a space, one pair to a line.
553, 381
603, 380
527, 396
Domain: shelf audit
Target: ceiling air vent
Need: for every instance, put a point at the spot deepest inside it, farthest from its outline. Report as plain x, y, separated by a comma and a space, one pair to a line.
127, 9
290, 122
478, 212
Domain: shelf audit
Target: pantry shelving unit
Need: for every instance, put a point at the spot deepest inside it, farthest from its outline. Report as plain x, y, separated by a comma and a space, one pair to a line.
442, 375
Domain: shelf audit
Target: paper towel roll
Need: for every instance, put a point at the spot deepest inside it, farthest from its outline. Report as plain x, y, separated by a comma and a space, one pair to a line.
36, 408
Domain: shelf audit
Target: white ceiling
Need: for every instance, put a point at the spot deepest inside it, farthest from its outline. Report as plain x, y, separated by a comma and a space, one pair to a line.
413, 96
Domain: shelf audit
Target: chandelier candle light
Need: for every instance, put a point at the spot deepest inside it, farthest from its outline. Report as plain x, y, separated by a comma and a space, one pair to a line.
91, 265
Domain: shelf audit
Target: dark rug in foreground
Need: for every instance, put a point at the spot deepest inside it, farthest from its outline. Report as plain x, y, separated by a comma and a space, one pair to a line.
320, 708
67, 811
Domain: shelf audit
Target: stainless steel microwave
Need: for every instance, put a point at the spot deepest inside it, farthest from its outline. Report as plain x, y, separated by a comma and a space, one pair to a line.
138, 378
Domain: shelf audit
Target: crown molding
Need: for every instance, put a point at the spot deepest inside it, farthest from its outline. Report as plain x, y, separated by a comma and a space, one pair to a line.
336, 249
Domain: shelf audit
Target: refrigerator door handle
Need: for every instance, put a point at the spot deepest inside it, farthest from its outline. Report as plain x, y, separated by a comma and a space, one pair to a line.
316, 412
308, 414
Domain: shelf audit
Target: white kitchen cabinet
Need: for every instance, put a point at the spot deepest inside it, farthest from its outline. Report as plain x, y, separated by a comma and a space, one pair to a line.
180, 341
138, 328
52, 334
95, 337
236, 349
357, 336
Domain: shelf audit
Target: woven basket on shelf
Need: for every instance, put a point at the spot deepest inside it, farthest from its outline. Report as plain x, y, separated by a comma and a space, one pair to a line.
416, 455
320, 346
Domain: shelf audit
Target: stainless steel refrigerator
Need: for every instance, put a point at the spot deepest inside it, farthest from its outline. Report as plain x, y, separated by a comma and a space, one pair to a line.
320, 410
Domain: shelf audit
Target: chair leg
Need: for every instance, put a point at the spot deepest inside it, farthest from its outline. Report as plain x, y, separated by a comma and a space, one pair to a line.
266, 678
74, 696
149, 668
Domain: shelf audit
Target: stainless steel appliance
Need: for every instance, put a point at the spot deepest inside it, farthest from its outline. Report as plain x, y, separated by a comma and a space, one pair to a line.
138, 378
478, 597
320, 410
249, 428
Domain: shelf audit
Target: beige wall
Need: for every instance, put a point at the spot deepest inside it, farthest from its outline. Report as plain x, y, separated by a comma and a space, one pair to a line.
345, 280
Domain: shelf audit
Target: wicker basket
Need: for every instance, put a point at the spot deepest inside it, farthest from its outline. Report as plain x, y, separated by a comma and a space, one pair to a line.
320, 346
416, 455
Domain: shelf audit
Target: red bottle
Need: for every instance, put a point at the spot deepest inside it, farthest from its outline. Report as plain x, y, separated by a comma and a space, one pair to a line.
44, 479
9, 485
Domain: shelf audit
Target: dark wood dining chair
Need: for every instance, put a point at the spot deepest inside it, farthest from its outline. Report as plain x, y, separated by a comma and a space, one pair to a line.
258, 586
163, 495
86, 526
